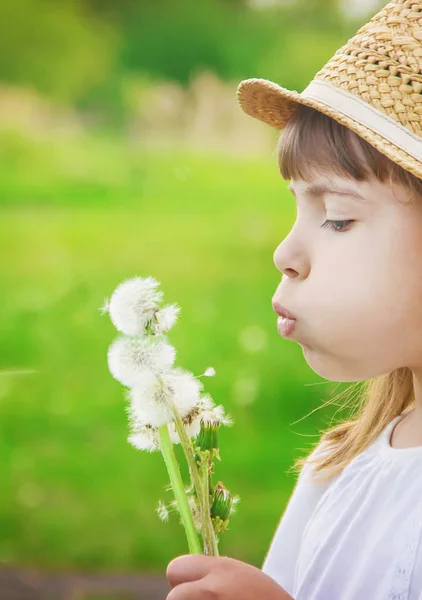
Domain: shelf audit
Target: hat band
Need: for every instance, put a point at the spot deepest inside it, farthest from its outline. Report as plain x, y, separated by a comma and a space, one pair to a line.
363, 113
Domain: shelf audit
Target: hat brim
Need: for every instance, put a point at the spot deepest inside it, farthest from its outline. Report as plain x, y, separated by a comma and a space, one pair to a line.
275, 105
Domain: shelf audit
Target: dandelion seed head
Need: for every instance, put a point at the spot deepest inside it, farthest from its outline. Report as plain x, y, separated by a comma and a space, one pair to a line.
192, 430
155, 395
134, 303
206, 402
207, 412
210, 417
192, 420
215, 416
130, 358
186, 387
144, 438
165, 318
151, 402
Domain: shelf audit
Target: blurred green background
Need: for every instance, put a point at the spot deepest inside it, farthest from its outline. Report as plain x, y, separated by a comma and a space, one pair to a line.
123, 152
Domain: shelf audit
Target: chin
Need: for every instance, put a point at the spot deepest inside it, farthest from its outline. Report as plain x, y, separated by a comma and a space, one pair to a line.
329, 368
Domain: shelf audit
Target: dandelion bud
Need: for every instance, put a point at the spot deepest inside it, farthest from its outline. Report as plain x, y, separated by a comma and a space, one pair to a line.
221, 508
208, 436
129, 358
134, 304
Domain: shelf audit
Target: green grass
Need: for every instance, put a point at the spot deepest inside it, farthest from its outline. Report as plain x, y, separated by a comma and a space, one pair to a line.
76, 220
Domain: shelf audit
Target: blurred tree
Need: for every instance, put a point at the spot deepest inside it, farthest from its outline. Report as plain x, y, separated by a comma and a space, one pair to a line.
57, 47
86, 52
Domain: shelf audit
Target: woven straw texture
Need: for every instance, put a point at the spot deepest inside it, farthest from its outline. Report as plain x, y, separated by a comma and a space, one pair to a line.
381, 64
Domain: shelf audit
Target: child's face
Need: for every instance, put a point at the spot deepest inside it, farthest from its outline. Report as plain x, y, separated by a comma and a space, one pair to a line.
357, 293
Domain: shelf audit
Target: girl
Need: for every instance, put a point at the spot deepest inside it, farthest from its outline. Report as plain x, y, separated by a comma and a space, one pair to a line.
351, 296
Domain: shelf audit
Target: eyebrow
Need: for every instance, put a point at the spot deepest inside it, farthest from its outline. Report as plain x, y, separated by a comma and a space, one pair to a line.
319, 189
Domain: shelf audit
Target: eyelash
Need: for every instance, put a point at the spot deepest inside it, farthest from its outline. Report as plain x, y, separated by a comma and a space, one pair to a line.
331, 225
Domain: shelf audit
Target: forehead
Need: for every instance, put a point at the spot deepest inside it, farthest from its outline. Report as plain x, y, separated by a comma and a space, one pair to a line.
365, 191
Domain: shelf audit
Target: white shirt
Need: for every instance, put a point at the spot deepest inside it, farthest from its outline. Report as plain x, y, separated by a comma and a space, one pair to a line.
358, 535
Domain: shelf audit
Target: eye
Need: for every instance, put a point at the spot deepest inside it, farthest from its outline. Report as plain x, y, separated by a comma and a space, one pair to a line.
337, 225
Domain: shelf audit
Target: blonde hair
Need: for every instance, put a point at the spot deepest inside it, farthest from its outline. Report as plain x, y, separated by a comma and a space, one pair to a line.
310, 143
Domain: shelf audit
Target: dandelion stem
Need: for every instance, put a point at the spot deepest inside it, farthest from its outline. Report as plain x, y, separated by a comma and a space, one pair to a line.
200, 486
213, 545
179, 489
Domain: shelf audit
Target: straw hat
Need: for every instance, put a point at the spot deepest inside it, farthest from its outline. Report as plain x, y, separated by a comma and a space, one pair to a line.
372, 85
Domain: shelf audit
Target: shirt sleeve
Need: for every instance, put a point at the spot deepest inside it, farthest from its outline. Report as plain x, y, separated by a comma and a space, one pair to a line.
281, 559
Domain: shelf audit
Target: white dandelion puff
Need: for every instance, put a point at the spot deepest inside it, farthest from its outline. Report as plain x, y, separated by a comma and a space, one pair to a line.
144, 438
160, 397
206, 402
212, 416
152, 399
192, 431
165, 318
150, 402
133, 304
216, 416
192, 421
130, 358
162, 511
186, 387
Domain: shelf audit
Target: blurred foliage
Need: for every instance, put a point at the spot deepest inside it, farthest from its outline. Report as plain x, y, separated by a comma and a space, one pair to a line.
58, 48
74, 492
79, 215
84, 52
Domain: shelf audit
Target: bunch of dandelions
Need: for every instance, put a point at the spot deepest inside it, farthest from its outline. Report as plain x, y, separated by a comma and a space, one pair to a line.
165, 407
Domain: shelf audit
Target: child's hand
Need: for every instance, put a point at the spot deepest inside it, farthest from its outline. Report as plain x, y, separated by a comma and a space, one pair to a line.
201, 577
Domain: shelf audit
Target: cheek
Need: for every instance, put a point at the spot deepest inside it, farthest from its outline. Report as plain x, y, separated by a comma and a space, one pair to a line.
369, 300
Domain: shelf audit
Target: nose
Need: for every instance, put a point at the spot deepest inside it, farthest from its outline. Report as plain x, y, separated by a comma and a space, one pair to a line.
290, 258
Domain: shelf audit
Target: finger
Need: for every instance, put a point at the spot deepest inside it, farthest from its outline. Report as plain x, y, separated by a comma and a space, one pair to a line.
189, 567
186, 591
192, 590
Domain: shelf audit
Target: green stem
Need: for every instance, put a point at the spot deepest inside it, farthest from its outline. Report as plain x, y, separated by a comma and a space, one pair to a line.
212, 540
188, 450
207, 529
201, 486
179, 489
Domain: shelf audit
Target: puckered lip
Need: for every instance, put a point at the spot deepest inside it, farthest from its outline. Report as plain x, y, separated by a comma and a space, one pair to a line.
282, 311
